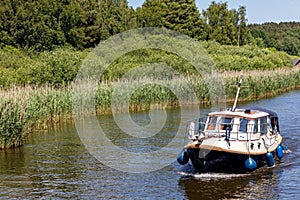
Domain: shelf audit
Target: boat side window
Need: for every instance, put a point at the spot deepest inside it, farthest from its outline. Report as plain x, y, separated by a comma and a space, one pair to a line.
274, 124
243, 125
226, 122
263, 125
248, 126
212, 122
253, 126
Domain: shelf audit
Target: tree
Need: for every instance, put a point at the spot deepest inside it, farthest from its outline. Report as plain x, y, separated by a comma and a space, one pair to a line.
284, 36
184, 17
181, 15
150, 14
87, 22
45, 24
226, 26
290, 45
217, 18
242, 24
7, 22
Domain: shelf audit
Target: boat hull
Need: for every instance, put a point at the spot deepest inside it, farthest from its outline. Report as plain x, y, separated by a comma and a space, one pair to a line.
223, 162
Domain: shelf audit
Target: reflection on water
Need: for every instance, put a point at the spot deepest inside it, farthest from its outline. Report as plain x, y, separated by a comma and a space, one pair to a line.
55, 165
163, 136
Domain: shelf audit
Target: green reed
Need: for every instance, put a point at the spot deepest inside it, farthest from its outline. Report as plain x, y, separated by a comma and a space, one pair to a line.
24, 109
12, 124
261, 84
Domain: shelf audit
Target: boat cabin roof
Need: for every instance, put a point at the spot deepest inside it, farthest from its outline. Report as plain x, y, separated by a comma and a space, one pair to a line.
244, 113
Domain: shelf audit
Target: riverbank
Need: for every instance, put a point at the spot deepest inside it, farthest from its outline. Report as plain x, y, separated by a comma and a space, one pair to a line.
24, 109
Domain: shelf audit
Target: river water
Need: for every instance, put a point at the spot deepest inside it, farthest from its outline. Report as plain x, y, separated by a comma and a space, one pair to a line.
54, 164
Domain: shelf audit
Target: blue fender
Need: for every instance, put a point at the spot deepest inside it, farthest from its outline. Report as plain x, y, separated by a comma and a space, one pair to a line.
279, 151
270, 159
250, 164
183, 157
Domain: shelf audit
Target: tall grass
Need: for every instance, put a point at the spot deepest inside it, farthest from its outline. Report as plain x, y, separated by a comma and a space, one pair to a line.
24, 109
12, 124
262, 83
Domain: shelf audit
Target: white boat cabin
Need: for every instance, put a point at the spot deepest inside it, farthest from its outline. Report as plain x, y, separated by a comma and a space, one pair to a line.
241, 124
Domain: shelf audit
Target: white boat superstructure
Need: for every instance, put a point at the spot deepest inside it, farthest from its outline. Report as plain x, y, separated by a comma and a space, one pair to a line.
243, 131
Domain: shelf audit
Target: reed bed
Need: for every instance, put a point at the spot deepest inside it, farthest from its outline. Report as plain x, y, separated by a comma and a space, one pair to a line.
24, 109
28, 108
262, 83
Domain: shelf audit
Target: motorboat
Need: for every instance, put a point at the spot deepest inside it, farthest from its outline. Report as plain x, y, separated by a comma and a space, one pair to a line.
234, 140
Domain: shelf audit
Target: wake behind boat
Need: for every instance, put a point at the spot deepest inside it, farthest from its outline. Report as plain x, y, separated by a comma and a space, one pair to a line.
233, 140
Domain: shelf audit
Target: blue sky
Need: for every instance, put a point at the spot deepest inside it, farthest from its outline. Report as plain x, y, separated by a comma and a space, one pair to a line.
258, 11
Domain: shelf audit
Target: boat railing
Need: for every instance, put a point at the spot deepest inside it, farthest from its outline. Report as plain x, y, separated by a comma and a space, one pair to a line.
198, 128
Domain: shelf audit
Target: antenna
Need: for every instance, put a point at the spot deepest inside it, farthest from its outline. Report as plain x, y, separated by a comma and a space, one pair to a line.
237, 93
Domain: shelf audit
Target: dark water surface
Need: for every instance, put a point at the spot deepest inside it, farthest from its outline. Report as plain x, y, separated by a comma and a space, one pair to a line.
55, 165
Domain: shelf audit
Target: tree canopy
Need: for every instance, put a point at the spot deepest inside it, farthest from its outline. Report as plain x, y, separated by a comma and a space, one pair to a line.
284, 36
46, 24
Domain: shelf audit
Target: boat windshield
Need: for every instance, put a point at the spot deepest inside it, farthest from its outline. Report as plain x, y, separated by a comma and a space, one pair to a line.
212, 122
226, 123
219, 123
235, 124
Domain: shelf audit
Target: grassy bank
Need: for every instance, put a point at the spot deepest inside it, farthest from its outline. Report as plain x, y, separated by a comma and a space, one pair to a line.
24, 109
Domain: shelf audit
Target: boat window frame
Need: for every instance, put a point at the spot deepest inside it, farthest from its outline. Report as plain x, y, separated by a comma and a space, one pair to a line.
212, 122
223, 125
262, 124
254, 124
274, 124
245, 125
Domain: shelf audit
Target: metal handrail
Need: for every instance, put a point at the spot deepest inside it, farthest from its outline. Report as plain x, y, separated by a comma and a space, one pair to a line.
219, 130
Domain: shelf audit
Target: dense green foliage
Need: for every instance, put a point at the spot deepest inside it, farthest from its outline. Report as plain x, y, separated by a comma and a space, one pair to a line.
182, 16
246, 57
216, 23
58, 67
226, 58
284, 36
226, 26
45, 24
